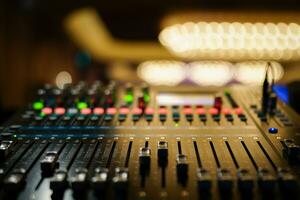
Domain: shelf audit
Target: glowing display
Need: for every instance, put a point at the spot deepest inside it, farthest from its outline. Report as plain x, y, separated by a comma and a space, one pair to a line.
184, 99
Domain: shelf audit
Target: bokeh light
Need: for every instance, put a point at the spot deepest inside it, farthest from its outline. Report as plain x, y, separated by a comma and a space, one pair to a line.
162, 72
63, 78
233, 41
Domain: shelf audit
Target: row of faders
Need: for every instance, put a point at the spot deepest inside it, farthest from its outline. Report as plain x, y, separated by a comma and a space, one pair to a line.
152, 168
132, 141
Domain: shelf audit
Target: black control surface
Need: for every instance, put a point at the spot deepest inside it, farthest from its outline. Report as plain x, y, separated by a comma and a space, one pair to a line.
131, 141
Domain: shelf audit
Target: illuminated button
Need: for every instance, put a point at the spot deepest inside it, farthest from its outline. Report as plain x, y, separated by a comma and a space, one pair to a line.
226, 111
239, 111
38, 105
200, 111
149, 111
72, 111
213, 111
81, 105
128, 98
188, 111
124, 111
47, 111
98, 111
86, 111
273, 130
137, 111
60, 111
162, 111
111, 111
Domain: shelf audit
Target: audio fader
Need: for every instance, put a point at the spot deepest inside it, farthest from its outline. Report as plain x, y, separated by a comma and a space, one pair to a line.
132, 141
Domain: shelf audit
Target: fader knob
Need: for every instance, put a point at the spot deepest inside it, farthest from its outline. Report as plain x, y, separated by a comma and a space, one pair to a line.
59, 181
5, 148
225, 179
181, 166
48, 164
15, 181
245, 180
287, 180
100, 178
162, 150
120, 180
144, 157
204, 179
266, 179
79, 181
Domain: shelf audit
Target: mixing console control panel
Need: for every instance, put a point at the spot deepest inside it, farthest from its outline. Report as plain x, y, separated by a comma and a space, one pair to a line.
132, 141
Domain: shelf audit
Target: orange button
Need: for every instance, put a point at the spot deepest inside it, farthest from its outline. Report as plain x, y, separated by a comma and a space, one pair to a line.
98, 111
47, 110
60, 111
86, 111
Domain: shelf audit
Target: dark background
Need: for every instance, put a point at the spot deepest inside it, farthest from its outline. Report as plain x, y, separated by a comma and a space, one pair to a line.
34, 47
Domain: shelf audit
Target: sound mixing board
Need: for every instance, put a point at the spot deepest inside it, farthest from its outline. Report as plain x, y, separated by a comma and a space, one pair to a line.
132, 141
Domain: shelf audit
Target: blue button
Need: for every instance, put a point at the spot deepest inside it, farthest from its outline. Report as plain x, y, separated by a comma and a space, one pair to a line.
273, 130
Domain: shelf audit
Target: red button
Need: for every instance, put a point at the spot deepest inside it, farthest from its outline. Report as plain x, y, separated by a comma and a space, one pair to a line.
213, 111
149, 111
124, 111
200, 111
239, 111
226, 111
162, 111
47, 110
111, 111
98, 111
188, 111
60, 111
137, 111
86, 111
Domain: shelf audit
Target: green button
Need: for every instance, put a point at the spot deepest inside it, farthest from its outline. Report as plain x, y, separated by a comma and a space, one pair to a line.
38, 105
81, 105
128, 98
146, 97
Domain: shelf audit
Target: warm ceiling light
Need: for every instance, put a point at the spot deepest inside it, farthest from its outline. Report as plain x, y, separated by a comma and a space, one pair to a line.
233, 41
254, 72
162, 72
213, 73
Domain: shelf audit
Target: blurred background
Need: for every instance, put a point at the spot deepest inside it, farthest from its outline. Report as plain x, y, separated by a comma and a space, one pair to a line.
170, 42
